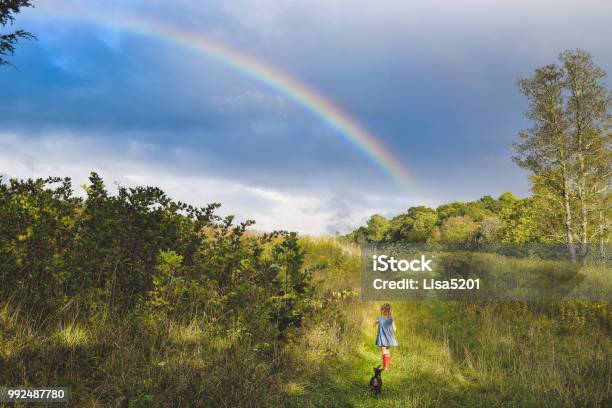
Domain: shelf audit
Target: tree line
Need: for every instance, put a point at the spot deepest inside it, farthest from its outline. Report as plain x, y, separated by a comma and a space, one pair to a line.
503, 219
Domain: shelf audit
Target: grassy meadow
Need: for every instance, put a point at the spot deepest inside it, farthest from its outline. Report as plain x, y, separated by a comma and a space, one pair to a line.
451, 354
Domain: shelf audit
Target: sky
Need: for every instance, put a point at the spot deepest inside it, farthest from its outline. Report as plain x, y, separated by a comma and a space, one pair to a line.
434, 82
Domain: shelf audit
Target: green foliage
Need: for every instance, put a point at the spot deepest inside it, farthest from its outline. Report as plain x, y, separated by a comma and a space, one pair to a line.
376, 230
567, 149
505, 219
294, 291
147, 293
140, 251
133, 299
8, 9
414, 226
169, 285
519, 223
458, 229
100, 251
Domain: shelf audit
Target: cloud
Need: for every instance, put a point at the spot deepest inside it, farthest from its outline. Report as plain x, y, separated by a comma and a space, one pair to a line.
272, 209
251, 100
434, 80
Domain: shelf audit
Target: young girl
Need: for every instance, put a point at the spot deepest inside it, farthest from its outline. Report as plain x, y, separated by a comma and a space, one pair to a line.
385, 336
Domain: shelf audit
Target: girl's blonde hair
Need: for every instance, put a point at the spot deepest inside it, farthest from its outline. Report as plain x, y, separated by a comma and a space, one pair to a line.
385, 309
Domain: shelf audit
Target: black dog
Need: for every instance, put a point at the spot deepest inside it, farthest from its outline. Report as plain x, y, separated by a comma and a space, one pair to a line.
376, 380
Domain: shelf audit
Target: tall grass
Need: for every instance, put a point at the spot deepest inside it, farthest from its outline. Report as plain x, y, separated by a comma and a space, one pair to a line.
512, 354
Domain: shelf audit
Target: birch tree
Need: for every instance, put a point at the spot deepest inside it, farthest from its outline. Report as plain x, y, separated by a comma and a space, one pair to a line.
568, 148
587, 112
545, 148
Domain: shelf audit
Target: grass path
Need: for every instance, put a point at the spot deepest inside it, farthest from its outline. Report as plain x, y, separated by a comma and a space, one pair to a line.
422, 372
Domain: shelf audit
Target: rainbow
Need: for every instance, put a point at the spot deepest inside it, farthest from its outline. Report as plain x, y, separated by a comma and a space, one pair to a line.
256, 69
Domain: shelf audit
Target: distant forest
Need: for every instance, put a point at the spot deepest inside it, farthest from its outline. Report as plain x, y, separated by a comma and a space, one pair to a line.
506, 219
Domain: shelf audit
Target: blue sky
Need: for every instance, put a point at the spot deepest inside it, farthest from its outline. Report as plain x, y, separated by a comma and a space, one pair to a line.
435, 81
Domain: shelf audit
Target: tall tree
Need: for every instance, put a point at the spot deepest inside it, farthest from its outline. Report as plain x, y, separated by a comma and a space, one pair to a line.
568, 148
546, 149
587, 112
8, 41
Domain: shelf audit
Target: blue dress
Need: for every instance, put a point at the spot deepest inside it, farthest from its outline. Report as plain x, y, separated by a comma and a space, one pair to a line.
385, 336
